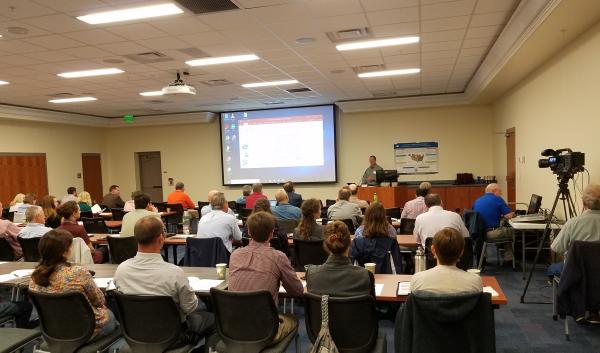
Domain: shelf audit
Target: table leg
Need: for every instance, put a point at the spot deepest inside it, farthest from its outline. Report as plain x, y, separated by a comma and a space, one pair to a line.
523, 252
174, 247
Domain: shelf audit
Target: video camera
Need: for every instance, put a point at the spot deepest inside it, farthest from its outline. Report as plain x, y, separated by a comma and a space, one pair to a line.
562, 162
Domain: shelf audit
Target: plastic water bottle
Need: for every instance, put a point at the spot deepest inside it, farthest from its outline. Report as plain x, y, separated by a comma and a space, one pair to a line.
420, 260
186, 223
375, 198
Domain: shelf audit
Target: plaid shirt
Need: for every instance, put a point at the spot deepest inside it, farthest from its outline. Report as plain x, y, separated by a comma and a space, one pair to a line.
414, 207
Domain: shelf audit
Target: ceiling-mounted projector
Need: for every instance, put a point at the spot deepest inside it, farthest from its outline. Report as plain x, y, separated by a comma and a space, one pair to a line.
178, 87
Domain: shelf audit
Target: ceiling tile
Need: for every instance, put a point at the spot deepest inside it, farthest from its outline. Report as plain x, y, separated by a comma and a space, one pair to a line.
445, 24
408, 14
32, 31
124, 48
71, 5
94, 37
495, 5
17, 60
427, 47
23, 8
478, 42
179, 26
342, 22
58, 23
483, 32
163, 43
203, 39
137, 31
376, 5
443, 36
54, 42
490, 19
87, 52
19, 46
396, 29
447, 9
51, 56
229, 19
329, 8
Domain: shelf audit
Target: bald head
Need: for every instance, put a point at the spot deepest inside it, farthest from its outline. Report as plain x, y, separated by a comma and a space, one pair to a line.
493, 188
281, 196
591, 197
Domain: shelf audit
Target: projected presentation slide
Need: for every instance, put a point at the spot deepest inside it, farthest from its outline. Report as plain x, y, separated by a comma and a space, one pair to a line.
277, 145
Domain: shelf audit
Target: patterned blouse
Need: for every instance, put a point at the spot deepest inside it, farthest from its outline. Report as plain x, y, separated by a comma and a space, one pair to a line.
68, 278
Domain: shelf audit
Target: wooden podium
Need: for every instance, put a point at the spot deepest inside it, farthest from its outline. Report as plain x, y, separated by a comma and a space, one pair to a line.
389, 196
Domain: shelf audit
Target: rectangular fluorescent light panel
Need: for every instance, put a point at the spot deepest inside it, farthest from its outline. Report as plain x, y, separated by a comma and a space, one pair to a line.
73, 100
378, 43
88, 73
151, 93
4, 82
269, 83
134, 13
222, 60
389, 73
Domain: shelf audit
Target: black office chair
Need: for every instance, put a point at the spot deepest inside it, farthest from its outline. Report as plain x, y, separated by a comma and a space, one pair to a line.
309, 252
324, 212
245, 212
117, 214
150, 324
95, 225
160, 206
288, 225
350, 225
329, 202
393, 212
121, 249
15, 339
407, 226
360, 337
202, 204
247, 322
465, 262
86, 214
205, 252
232, 206
6, 251
194, 225
30, 248
5, 212
175, 220
67, 322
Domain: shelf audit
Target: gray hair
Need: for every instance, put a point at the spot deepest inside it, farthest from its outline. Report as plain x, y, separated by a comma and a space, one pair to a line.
179, 186
218, 201
433, 200
492, 187
32, 212
591, 196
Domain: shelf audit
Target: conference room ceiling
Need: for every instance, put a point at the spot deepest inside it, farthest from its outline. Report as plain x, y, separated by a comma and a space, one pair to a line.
41, 38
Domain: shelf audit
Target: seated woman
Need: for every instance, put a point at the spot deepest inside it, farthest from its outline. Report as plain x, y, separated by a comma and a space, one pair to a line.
337, 276
69, 211
376, 242
246, 191
48, 204
265, 205
308, 229
85, 201
55, 275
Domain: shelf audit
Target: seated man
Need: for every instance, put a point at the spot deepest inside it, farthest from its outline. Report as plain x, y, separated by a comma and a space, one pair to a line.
493, 209
179, 196
344, 209
255, 195
70, 196
283, 210
143, 208
585, 227
294, 199
206, 209
113, 198
10, 231
260, 267
446, 278
130, 204
435, 219
416, 206
35, 218
218, 223
246, 190
148, 274
354, 199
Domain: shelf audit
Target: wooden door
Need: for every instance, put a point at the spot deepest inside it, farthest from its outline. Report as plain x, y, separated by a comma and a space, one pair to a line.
22, 173
511, 167
91, 166
150, 175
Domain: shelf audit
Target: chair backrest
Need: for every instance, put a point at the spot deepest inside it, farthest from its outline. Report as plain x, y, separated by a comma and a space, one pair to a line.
205, 252
6, 251
233, 205
359, 337
160, 206
95, 225
5, 212
194, 225
150, 324
288, 225
245, 212
86, 214
350, 225
66, 319
247, 322
30, 248
117, 214
465, 262
121, 249
393, 212
275, 243
329, 202
202, 204
324, 211
309, 252
407, 225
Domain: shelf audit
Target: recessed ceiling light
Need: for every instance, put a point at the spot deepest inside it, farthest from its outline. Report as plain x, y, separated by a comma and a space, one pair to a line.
269, 83
389, 73
222, 60
87, 73
305, 40
17, 30
151, 93
4, 82
73, 100
378, 43
134, 13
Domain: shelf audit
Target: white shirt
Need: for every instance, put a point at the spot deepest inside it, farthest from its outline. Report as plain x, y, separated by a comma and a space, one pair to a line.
220, 224
208, 208
444, 279
436, 219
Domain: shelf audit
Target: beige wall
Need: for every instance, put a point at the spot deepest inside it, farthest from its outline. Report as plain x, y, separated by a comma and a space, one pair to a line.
191, 153
556, 107
62, 144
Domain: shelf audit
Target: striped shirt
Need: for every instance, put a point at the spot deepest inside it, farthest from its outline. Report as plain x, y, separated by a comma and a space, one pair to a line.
260, 267
414, 207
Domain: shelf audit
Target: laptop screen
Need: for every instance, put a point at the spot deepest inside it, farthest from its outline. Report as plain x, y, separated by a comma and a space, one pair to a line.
534, 204
273, 203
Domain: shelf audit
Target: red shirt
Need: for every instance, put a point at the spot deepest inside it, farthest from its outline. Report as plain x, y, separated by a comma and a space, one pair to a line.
251, 199
178, 196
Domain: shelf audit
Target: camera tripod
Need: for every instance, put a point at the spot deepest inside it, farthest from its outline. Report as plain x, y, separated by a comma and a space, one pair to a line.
564, 195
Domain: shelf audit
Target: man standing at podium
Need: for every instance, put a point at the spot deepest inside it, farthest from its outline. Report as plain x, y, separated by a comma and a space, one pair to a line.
368, 177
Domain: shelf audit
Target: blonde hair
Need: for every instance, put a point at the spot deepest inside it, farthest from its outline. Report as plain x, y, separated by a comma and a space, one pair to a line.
18, 199
85, 197
280, 195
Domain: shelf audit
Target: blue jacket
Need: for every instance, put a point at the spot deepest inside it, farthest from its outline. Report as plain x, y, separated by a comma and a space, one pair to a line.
375, 250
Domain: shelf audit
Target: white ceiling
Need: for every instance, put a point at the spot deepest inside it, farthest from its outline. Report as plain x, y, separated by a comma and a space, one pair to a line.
455, 38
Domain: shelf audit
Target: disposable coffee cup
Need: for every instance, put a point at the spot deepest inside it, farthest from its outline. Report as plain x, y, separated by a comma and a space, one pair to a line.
474, 271
370, 266
306, 268
221, 270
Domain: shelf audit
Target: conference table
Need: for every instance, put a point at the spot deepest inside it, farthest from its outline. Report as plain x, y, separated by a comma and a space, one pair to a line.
386, 285
109, 215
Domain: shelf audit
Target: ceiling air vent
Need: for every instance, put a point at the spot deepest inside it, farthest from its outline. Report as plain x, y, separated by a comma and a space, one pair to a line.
61, 95
352, 34
194, 52
299, 90
207, 6
148, 57
219, 82
368, 68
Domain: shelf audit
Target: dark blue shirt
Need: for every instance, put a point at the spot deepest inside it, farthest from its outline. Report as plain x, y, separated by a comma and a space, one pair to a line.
491, 208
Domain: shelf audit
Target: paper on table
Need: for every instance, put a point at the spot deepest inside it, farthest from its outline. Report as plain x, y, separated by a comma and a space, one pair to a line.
489, 289
105, 283
22, 273
203, 285
378, 288
183, 236
404, 288
7, 277
96, 209
282, 290
3, 262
